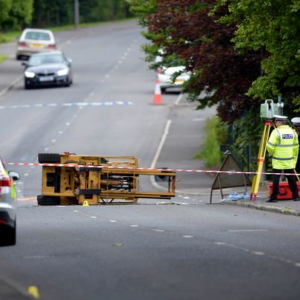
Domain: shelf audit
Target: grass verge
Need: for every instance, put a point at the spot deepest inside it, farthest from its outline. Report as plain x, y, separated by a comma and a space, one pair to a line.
211, 152
14, 35
2, 58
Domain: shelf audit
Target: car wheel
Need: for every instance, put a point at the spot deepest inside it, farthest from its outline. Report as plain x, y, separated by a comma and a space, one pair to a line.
48, 200
13, 235
18, 57
68, 83
53, 158
163, 90
8, 236
26, 86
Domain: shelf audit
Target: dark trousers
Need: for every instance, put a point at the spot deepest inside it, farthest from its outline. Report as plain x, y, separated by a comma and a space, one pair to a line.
291, 180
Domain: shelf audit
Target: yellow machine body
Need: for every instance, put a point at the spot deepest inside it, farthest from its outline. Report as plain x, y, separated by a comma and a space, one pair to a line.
75, 179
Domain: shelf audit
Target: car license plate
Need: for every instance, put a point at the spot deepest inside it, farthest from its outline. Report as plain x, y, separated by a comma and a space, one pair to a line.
179, 80
47, 78
36, 45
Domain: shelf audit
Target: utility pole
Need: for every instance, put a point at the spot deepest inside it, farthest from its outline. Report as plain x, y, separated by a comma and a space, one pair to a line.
76, 13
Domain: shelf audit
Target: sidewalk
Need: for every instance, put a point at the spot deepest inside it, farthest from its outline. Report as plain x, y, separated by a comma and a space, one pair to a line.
287, 207
184, 141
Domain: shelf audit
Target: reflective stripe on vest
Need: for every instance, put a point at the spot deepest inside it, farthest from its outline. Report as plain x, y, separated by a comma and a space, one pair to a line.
279, 158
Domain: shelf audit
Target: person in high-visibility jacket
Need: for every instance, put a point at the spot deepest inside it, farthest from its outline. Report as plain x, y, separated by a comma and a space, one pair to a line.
284, 147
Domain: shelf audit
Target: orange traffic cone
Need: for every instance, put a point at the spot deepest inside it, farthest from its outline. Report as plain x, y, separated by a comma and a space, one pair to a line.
157, 93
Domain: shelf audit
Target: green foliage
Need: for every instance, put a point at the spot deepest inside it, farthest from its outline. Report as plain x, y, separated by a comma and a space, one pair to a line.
20, 15
211, 148
142, 9
5, 6
2, 58
17, 14
9, 36
272, 27
244, 138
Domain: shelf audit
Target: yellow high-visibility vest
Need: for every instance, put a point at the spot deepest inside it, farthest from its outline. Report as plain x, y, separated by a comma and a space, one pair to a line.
284, 147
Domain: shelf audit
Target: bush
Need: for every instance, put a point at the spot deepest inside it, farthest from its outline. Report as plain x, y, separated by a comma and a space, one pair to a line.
211, 152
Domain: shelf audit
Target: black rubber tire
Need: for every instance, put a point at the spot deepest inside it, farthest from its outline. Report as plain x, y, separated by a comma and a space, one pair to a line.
8, 236
48, 200
53, 158
163, 90
13, 235
26, 86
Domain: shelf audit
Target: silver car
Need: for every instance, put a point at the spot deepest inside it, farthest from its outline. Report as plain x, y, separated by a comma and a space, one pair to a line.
8, 206
34, 41
167, 80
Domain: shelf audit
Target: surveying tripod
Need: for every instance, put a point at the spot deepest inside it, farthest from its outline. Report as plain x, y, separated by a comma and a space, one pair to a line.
260, 159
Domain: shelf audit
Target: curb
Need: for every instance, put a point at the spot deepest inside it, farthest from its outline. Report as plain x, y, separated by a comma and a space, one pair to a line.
276, 209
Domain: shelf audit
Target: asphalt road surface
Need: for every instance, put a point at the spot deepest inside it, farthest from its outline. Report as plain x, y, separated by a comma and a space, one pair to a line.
185, 249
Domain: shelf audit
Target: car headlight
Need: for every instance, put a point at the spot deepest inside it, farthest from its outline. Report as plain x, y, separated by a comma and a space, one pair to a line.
29, 74
62, 72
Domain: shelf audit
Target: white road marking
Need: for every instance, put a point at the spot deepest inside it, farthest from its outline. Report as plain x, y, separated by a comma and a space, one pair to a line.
297, 264
220, 243
134, 225
161, 144
158, 230
188, 236
178, 99
248, 230
274, 257
113, 221
93, 217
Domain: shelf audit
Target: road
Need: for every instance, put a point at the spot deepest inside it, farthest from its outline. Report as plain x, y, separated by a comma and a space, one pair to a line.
184, 249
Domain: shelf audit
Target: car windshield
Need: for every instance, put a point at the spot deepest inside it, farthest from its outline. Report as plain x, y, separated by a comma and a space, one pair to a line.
38, 36
45, 59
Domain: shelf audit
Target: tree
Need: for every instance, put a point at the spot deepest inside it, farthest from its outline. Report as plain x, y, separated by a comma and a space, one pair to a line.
56, 12
271, 27
20, 14
185, 32
4, 11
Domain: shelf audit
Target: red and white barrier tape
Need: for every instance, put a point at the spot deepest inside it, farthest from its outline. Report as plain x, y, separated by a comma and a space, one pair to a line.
150, 169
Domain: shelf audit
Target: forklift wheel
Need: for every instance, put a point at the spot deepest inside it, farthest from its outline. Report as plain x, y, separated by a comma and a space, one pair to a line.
48, 200
49, 158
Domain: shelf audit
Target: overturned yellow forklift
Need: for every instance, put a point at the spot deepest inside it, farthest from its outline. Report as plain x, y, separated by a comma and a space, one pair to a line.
83, 179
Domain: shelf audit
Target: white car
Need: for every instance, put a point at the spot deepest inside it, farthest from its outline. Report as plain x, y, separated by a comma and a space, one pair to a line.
34, 41
8, 206
166, 75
